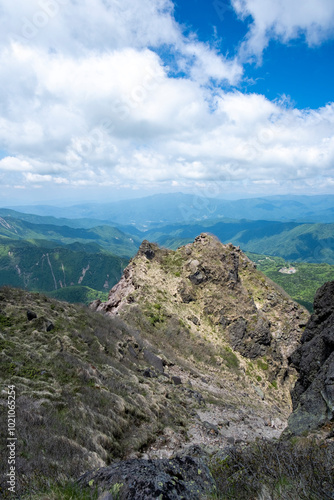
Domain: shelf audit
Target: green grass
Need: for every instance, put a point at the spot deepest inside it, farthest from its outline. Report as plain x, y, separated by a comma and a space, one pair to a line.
78, 294
64, 491
230, 359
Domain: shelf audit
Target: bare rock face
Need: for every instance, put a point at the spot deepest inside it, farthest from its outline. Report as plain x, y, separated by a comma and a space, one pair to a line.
234, 304
313, 394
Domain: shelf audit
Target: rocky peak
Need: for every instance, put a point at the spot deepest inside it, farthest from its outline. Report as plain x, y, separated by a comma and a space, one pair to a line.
219, 297
148, 249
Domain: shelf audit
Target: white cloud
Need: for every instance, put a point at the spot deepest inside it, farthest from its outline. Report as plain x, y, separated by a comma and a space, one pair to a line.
285, 20
208, 64
103, 26
94, 25
14, 164
101, 109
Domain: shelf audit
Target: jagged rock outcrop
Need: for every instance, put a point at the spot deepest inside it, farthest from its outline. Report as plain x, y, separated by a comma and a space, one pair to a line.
182, 477
313, 394
219, 286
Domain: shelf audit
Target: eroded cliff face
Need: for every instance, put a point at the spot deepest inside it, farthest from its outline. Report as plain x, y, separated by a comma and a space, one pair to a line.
207, 304
313, 394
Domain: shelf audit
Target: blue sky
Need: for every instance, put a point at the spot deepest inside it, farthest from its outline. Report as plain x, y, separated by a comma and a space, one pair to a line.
302, 73
105, 99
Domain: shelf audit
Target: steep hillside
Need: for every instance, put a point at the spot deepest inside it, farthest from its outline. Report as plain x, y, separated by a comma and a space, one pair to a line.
81, 396
44, 266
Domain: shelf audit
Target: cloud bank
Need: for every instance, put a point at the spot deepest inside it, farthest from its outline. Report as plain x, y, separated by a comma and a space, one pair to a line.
111, 93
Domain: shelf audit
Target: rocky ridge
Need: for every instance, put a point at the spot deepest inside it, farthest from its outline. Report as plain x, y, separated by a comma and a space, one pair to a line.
223, 331
219, 295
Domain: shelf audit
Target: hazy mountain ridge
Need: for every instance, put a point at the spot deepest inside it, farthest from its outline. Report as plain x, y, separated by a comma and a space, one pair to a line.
55, 221
110, 238
179, 207
289, 240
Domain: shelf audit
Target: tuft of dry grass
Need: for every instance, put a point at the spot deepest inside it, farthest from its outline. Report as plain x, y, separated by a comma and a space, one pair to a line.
295, 469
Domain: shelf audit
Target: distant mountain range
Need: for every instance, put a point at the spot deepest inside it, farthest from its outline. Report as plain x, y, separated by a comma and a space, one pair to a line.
178, 207
297, 241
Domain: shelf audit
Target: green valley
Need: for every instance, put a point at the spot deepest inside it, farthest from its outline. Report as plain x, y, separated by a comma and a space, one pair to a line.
299, 279
44, 266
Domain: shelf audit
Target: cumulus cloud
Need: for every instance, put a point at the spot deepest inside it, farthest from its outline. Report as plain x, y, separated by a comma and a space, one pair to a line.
284, 20
66, 27
87, 101
102, 26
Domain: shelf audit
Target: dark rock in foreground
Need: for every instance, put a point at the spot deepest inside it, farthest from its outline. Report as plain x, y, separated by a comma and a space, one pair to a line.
313, 394
31, 315
182, 477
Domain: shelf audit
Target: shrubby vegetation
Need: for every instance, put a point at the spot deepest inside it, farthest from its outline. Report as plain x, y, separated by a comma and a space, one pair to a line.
78, 294
81, 397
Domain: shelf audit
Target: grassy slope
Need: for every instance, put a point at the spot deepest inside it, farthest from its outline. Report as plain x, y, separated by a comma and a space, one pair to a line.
81, 402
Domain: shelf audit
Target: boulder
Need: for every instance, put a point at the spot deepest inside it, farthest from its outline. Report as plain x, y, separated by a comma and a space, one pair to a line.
197, 278
148, 249
31, 315
176, 380
181, 477
49, 326
250, 339
154, 361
